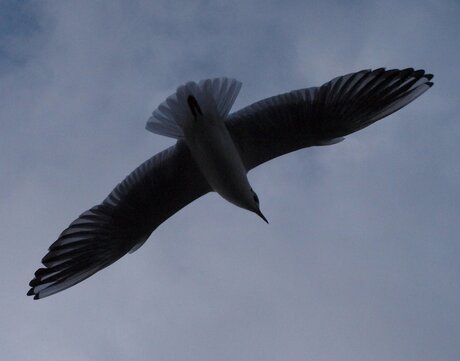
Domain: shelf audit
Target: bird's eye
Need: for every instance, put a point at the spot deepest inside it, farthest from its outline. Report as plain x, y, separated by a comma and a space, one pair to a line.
256, 199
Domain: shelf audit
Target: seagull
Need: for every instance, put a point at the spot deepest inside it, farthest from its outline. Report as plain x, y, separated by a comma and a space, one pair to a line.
214, 152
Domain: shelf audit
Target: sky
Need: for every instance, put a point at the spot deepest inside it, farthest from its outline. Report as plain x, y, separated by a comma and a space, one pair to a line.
361, 258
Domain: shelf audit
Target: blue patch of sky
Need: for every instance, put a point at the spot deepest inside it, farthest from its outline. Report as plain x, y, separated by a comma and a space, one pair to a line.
19, 23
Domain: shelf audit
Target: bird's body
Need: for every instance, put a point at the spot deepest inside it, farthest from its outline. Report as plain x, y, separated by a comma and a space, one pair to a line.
214, 152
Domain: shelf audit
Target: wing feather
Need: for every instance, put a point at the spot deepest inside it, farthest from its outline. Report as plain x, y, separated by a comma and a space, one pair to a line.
153, 192
322, 115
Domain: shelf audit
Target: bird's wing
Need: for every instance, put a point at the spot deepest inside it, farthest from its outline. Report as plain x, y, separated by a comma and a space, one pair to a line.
153, 192
322, 115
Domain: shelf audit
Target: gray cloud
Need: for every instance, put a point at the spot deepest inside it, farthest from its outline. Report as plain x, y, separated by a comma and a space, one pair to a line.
361, 257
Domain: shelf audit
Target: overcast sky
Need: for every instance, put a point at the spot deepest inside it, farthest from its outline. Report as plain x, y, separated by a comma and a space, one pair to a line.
361, 259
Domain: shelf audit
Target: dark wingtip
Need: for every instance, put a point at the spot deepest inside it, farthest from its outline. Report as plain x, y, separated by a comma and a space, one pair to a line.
47, 258
418, 73
429, 76
379, 70
31, 292
408, 70
40, 272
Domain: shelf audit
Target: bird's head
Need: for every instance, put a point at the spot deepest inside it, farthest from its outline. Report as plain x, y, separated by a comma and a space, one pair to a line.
253, 204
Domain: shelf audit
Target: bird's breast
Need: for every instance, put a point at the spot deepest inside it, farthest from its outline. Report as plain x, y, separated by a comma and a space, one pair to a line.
215, 153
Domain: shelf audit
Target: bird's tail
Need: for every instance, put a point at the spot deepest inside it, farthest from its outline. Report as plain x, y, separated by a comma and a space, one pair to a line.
212, 97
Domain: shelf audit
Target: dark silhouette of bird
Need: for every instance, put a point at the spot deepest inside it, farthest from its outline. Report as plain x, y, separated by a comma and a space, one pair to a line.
214, 151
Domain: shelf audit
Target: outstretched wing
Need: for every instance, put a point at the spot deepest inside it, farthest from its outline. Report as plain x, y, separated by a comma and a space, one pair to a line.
322, 115
153, 192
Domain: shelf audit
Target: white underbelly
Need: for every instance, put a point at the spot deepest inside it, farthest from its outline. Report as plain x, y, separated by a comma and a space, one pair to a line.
215, 153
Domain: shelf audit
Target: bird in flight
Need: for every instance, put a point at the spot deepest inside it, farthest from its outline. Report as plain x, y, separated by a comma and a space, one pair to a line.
214, 151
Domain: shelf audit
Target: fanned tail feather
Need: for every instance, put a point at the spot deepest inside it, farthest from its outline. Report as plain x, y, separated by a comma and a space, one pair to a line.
214, 96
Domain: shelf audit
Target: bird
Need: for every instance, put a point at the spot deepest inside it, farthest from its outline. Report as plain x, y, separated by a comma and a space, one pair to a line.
213, 152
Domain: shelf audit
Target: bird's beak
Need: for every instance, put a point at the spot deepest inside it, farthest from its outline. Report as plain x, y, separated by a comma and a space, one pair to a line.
259, 213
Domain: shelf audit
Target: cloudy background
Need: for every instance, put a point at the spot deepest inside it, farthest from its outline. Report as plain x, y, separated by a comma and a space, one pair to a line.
361, 259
